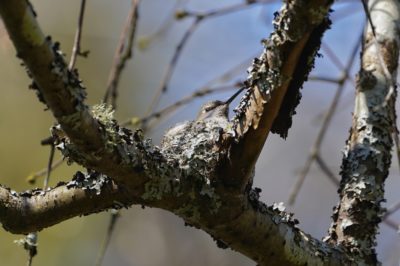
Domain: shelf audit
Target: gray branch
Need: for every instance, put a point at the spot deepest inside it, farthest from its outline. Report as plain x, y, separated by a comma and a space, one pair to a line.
367, 154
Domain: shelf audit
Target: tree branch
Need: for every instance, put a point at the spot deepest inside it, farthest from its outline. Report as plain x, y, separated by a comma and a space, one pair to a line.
62, 91
274, 83
123, 52
367, 155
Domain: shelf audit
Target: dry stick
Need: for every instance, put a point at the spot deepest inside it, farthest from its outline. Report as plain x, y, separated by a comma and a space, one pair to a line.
344, 12
30, 241
32, 178
198, 17
171, 66
324, 79
173, 107
329, 114
76, 50
392, 209
324, 167
204, 90
30, 245
331, 54
224, 10
115, 214
123, 53
336, 61
165, 25
392, 224
49, 167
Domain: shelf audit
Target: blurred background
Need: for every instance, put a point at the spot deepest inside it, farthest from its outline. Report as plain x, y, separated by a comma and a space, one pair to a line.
219, 44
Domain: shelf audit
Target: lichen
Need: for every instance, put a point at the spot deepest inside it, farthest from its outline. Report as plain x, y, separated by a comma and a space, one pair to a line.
92, 181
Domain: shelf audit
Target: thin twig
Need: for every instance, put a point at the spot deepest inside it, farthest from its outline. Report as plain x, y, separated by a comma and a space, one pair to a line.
122, 54
32, 178
331, 54
392, 209
324, 79
392, 224
30, 244
198, 17
335, 60
76, 50
49, 167
143, 122
324, 167
206, 89
321, 134
115, 214
221, 11
145, 41
171, 66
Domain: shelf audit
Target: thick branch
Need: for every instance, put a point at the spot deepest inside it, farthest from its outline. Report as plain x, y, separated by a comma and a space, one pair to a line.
32, 211
275, 80
62, 91
367, 155
265, 234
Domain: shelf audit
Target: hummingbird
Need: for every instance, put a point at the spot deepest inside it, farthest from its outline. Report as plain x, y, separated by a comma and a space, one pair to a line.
216, 109
213, 109
212, 114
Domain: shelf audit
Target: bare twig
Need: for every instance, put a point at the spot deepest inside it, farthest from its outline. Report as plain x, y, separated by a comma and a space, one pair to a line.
123, 52
331, 54
198, 17
49, 167
206, 89
76, 50
29, 243
144, 122
324, 167
33, 177
171, 66
324, 79
115, 214
392, 224
314, 153
145, 41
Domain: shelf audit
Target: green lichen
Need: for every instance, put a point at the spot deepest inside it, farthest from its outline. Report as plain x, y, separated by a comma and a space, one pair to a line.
104, 113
